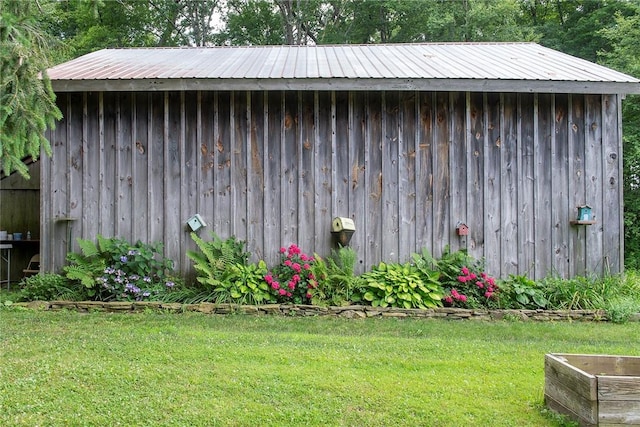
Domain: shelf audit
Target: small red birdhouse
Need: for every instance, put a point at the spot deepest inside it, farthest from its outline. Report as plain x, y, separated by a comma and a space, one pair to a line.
462, 229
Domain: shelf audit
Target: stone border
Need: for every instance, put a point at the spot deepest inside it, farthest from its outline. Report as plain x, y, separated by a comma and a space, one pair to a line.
352, 311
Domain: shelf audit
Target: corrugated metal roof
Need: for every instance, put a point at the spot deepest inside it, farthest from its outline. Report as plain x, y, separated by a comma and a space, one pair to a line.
505, 67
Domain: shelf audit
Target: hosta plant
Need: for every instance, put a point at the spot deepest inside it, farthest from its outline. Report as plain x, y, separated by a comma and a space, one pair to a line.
401, 285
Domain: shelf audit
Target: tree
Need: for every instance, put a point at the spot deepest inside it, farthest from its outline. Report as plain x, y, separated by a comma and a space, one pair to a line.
625, 56
27, 101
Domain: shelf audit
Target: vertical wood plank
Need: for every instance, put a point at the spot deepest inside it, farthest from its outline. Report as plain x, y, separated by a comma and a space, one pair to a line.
458, 164
559, 187
526, 185
140, 165
322, 158
475, 175
240, 151
594, 186
222, 179
492, 184
340, 117
91, 161
374, 179
75, 163
407, 174
389, 174
59, 204
612, 188
272, 176
156, 156
509, 185
306, 181
542, 196
255, 176
577, 234
357, 185
173, 139
207, 161
442, 175
289, 169
424, 168
191, 180
126, 204
109, 171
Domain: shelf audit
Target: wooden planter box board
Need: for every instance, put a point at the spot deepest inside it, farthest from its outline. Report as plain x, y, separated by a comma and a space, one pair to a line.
594, 390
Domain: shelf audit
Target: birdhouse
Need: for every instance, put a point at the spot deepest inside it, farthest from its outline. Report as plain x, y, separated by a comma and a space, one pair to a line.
462, 229
585, 213
342, 229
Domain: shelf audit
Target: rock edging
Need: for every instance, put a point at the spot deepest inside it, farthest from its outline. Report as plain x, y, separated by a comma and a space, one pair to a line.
352, 311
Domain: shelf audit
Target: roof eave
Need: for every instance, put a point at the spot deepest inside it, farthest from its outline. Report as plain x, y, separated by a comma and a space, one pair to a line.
346, 84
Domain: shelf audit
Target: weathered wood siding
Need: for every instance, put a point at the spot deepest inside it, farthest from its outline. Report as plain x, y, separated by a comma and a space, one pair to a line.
274, 168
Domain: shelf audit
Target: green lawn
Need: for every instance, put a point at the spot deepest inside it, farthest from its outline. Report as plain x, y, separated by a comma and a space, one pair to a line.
147, 369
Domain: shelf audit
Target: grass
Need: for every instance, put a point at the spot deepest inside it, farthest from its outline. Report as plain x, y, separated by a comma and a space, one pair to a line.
147, 369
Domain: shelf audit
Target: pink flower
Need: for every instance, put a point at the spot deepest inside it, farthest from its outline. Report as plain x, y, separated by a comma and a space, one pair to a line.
295, 278
448, 299
465, 271
282, 292
472, 276
289, 294
291, 285
480, 284
296, 267
306, 266
462, 279
488, 294
275, 285
283, 250
311, 276
288, 263
462, 298
454, 293
294, 249
268, 278
308, 295
303, 257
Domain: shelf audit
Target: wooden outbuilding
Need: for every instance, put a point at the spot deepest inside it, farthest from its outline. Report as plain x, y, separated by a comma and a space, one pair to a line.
271, 143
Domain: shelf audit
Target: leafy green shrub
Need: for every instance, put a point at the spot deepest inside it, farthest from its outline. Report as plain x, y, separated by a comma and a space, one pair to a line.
49, 287
401, 285
520, 292
620, 310
224, 272
337, 282
292, 280
115, 270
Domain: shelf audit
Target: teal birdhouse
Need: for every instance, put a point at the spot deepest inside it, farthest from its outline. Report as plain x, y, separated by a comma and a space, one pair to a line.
585, 213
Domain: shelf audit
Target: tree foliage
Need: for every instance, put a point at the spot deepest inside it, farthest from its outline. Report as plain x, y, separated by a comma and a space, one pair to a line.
625, 56
27, 101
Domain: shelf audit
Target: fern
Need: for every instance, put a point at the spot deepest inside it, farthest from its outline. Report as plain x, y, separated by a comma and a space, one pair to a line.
88, 248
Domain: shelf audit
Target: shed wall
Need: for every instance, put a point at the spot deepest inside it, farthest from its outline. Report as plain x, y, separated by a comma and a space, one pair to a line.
274, 168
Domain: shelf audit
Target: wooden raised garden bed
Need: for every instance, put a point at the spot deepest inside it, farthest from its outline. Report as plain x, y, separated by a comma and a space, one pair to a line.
594, 390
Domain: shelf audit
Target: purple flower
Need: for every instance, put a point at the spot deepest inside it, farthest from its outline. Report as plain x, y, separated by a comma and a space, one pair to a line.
170, 284
147, 279
132, 252
124, 258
